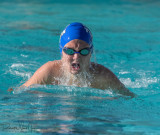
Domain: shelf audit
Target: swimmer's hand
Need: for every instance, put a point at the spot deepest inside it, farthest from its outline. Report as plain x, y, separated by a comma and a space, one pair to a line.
10, 90
16, 89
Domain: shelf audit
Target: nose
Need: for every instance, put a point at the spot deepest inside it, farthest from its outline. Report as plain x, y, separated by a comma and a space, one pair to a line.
76, 56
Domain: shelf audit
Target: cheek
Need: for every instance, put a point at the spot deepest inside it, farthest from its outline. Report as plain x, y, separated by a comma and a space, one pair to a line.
86, 59
66, 58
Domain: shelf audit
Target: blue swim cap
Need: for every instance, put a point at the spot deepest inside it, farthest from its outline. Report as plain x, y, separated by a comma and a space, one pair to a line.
75, 31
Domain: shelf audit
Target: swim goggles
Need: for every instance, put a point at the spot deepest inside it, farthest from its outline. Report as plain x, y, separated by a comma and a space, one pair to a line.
83, 52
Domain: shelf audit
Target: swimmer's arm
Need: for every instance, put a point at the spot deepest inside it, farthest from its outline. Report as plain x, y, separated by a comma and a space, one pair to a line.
115, 84
41, 76
119, 87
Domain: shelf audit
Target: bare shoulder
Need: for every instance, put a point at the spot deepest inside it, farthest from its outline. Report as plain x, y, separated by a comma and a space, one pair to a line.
52, 68
51, 64
101, 70
106, 79
44, 74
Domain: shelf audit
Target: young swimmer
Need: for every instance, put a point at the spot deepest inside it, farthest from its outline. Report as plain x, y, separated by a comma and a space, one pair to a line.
75, 67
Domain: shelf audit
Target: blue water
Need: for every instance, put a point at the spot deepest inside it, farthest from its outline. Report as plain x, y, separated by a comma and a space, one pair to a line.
126, 39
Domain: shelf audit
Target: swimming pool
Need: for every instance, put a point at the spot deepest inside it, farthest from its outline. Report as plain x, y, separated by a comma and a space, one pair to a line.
126, 39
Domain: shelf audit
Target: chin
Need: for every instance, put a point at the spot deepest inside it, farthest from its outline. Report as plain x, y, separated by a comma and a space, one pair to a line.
75, 72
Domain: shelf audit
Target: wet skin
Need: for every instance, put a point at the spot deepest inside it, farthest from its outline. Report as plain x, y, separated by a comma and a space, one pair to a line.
76, 63
76, 68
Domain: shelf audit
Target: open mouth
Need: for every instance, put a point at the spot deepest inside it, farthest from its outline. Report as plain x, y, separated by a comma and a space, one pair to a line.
75, 66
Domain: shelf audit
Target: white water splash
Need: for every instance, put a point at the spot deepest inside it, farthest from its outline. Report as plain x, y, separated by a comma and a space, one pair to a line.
143, 82
81, 80
25, 56
18, 70
17, 65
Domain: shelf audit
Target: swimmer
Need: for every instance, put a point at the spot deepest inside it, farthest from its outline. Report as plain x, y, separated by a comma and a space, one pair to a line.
75, 67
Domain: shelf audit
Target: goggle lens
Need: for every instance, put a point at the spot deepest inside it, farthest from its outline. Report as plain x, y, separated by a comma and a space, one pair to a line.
84, 52
70, 51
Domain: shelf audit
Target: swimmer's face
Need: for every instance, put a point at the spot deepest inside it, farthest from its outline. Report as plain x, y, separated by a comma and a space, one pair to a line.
76, 63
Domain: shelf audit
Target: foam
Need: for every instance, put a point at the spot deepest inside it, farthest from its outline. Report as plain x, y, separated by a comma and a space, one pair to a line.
17, 65
18, 70
124, 72
143, 82
25, 56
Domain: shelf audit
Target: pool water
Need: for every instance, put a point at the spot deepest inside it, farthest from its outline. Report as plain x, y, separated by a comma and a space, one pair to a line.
126, 40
